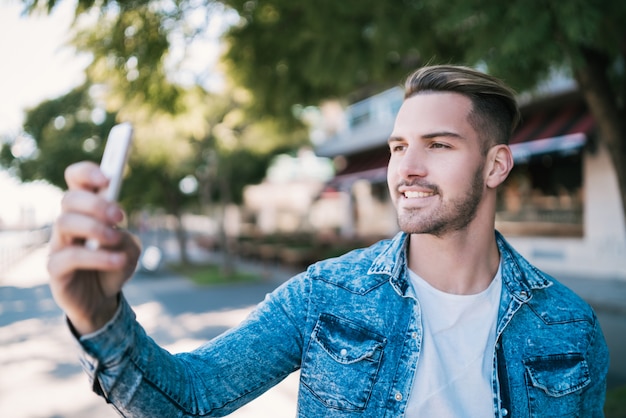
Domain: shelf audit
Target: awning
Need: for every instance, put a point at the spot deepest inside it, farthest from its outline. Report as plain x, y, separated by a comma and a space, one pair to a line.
370, 166
562, 131
344, 182
561, 145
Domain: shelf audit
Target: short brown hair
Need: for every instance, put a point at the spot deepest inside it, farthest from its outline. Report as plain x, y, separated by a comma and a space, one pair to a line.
494, 108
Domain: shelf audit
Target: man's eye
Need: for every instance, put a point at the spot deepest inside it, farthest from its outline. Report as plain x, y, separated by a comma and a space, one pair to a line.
397, 148
438, 145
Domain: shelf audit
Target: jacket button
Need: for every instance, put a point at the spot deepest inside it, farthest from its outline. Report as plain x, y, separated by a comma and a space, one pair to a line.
398, 396
505, 412
414, 335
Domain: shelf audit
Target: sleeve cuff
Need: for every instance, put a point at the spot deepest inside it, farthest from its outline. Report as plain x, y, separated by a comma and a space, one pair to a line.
108, 344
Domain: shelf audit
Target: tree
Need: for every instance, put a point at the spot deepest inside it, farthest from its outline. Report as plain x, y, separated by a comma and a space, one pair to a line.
166, 149
234, 152
288, 53
74, 127
64, 132
132, 78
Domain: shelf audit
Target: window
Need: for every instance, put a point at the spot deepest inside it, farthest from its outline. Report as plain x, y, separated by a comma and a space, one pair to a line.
543, 197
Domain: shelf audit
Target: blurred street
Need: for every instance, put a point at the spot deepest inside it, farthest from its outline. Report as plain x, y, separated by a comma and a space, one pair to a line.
41, 377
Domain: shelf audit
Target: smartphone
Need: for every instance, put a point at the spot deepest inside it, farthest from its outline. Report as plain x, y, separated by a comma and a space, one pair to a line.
113, 162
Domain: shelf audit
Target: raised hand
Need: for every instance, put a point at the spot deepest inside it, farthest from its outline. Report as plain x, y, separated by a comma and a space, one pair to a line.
86, 282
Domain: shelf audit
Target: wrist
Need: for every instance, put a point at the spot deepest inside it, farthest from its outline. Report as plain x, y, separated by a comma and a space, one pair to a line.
96, 320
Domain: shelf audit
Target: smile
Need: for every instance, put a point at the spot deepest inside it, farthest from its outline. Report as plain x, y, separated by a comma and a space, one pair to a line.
415, 194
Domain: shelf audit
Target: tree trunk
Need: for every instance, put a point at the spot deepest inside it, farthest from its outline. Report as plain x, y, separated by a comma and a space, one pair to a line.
181, 236
593, 80
179, 230
228, 263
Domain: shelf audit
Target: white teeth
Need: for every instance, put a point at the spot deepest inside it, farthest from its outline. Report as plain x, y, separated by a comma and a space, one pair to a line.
411, 194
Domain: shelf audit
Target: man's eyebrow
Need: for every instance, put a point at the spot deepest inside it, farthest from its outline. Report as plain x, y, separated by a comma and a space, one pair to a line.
436, 134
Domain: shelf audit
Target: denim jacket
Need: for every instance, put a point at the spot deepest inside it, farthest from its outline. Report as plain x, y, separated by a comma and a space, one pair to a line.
353, 328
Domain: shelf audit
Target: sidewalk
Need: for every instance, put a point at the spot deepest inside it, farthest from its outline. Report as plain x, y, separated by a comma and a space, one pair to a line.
41, 376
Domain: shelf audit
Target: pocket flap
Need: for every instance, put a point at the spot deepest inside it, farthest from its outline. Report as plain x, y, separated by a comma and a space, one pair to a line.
558, 375
345, 341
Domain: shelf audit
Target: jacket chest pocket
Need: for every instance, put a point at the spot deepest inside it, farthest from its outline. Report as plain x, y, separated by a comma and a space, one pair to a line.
555, 383
341, 363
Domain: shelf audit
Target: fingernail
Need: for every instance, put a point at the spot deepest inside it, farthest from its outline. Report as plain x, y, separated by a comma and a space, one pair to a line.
97, 176
114, 214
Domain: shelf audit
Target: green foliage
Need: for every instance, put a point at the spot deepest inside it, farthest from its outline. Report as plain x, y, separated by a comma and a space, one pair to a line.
210, 275
64, 134
166, 147
147, 184
129, 47
615, 406
300, 52
522, 41
287, 52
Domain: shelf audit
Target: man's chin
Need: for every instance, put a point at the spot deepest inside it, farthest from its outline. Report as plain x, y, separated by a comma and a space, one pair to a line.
413, 226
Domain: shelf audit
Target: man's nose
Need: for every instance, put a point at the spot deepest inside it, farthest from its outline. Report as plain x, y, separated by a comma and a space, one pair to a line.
412, 163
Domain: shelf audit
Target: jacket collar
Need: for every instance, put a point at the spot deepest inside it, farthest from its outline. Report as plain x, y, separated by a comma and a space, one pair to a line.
518, 276
392, 261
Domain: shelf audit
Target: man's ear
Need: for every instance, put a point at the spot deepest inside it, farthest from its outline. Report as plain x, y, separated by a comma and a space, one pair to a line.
499, 165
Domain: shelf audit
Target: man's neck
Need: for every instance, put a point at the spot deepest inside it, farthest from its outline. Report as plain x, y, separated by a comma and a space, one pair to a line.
461, 262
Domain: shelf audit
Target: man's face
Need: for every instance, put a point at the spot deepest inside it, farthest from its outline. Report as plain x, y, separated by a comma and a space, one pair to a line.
435, 174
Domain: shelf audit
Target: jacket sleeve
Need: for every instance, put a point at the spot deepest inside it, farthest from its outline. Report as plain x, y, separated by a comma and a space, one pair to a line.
141, 379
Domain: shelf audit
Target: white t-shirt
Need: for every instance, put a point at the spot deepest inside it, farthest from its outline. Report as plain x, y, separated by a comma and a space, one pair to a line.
453, 376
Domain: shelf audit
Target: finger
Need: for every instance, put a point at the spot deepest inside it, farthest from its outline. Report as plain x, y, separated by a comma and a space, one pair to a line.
64, 263
71, 228
85, 175
88, 203
131, 245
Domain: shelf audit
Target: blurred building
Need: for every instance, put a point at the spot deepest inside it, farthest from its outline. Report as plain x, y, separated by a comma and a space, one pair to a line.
560, 206
282, 203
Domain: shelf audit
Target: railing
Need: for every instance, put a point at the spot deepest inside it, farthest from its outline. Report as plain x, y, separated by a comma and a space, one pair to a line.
16, 244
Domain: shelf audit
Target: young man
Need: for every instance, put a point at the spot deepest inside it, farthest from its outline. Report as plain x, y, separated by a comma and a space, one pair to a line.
443, 320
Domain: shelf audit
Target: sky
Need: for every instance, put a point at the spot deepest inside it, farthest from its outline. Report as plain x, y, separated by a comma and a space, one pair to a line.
35, 66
